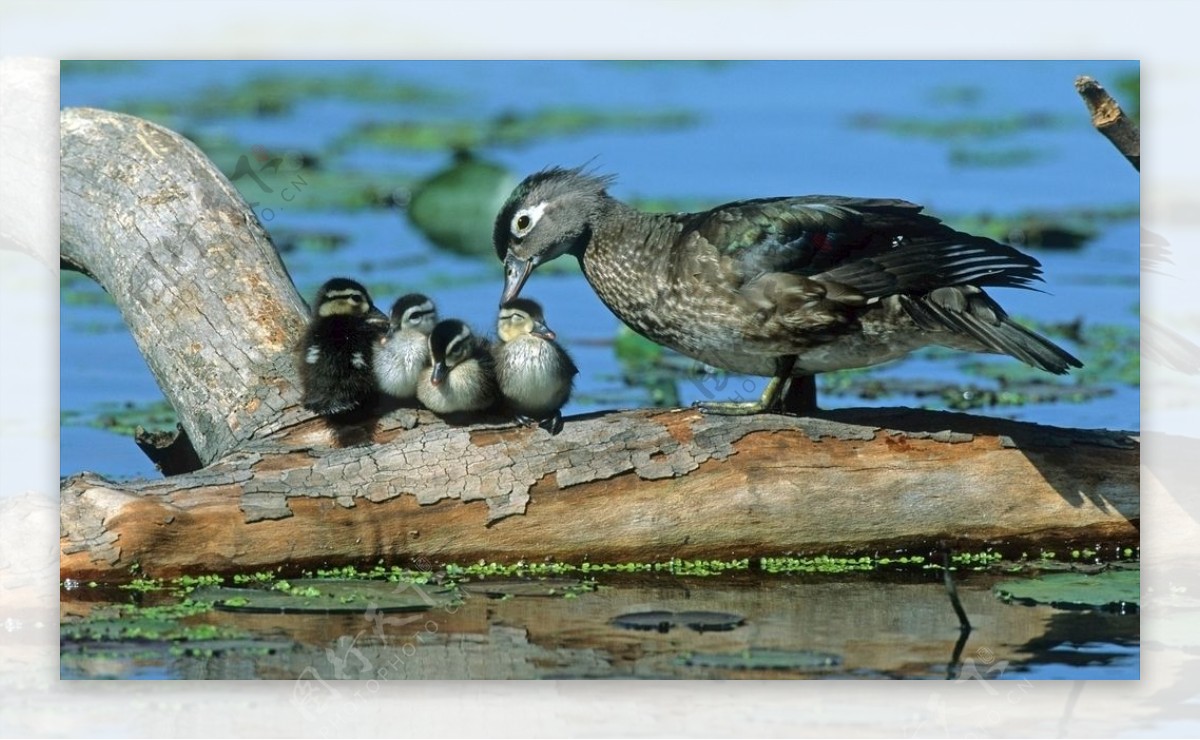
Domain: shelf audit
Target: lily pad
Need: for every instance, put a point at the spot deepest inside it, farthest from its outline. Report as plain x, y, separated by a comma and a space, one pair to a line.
663, 621
646, 621
1114, 590
456, 208
525, 587
766, 659
323, 596
710, 621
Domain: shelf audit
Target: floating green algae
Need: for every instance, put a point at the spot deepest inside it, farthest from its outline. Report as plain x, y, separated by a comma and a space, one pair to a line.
962, 127
72, 67
956, 95
1020, 156
962, 396
77, 289
1062, 228
277, 95
123, 417
327, 596
511, 129
1129, 93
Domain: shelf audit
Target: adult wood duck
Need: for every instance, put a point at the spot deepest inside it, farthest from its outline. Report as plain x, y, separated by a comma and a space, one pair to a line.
337, 351
776, 287
534, 373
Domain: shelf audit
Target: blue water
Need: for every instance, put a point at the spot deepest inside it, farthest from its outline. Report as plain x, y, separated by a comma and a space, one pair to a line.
764, 128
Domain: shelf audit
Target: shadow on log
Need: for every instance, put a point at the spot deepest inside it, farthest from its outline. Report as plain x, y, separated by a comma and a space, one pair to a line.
215, 314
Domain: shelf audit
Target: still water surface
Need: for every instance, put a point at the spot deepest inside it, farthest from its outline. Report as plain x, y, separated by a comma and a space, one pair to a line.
757, 129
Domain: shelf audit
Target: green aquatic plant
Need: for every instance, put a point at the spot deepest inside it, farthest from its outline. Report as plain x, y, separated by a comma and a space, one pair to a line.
1020, 156
1129, 93
329, 596
510, 129
123, 417
956, 95
1060, 228
275, 95
74, 67
960, 128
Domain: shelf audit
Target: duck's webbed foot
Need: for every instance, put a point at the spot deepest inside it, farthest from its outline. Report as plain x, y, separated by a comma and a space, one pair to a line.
768, 402
783, 394
552, 424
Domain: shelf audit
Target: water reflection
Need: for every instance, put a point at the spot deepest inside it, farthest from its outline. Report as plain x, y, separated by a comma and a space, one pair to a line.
898, 627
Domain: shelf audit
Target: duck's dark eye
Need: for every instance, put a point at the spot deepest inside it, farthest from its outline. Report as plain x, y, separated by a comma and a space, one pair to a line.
523, 222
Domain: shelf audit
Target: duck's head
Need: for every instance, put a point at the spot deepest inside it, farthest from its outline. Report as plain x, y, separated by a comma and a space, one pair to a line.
414, 311
548, 215
519, 317
346, 297
450, 343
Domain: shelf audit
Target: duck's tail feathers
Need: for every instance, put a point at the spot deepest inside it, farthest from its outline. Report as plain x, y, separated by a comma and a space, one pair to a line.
970, 312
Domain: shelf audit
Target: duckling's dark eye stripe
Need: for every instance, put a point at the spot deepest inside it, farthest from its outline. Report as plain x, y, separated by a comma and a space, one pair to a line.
452, 347
414, 315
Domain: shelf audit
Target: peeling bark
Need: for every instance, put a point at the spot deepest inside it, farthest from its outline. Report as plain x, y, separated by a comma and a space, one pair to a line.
635, 485
215, 314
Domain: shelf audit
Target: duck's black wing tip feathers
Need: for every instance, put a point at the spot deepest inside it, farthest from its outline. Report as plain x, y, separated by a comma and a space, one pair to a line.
972, 313
918, 266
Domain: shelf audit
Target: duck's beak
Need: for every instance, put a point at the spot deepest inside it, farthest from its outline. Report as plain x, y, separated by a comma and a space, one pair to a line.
438, 374
516, 272
378, 319
541, 330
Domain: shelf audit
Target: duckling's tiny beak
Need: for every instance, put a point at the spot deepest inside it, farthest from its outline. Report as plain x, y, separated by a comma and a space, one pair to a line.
438, 374
541, 330
516, 272
378, 319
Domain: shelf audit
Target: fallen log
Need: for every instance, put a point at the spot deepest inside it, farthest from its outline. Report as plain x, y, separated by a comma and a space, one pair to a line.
215, 313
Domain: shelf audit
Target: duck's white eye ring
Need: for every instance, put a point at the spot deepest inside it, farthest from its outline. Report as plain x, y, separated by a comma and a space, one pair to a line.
526, 218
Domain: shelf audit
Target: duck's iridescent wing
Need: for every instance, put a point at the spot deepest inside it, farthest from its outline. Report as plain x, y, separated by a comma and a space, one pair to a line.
876, 247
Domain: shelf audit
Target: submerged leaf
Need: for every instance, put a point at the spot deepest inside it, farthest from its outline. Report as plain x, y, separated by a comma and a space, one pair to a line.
1113, 590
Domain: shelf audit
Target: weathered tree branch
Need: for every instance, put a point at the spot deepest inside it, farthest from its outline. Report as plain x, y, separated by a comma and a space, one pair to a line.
1110, 120
196, 278
638, 485
215, 314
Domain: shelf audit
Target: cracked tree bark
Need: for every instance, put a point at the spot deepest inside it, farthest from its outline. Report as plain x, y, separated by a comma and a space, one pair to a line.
215, 314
